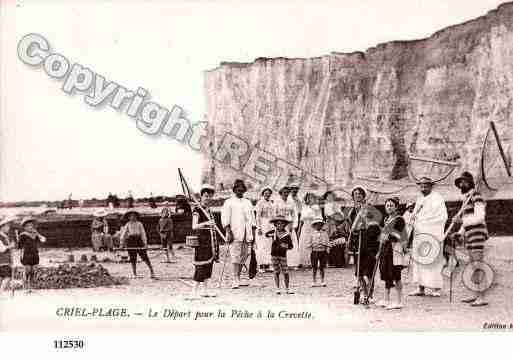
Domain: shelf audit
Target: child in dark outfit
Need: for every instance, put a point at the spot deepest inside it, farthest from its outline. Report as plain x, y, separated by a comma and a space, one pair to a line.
29, 245
281, 243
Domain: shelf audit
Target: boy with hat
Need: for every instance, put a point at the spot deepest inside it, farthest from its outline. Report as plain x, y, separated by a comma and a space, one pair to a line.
6, 249
281, 243
29, 243
318, 243
238, 220
474, 233
286, 208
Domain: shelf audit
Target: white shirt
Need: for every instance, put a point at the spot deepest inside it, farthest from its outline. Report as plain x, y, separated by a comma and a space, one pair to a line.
238, 214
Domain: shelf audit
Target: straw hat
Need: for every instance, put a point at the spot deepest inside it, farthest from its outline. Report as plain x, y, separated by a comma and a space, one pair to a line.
27, 220
266, 188
100, 213
280, 218
207, 187
317, 220
130, 211
293, 185
425, 180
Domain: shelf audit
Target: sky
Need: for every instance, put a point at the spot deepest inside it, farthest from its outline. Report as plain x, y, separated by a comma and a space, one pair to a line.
53, 144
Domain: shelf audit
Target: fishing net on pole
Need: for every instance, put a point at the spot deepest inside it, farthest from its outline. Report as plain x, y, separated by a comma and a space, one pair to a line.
436, 169
495, 164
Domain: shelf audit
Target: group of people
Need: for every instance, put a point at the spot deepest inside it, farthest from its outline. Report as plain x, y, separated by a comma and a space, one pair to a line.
287, 233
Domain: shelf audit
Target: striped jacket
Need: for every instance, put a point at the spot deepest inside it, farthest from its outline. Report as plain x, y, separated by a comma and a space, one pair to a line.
474, 227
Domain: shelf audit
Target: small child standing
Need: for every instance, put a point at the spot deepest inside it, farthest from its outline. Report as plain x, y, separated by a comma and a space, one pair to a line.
29, 245
318, 243
281, 243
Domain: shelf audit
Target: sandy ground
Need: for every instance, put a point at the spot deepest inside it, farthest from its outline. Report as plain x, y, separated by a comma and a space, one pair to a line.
331, 308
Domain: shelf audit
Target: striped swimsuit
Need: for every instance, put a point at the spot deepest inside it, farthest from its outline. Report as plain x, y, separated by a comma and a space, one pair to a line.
476, 233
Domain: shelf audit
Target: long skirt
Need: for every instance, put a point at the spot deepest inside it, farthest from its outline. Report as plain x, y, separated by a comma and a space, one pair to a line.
263, 249
293, 255
305, 253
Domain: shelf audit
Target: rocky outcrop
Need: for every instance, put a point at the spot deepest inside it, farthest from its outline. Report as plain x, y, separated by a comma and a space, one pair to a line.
343, 116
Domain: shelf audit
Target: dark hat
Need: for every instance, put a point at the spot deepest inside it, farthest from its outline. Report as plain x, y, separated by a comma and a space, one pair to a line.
283, 189
425, 180
293, 185
325, 195
280, 218
467, 176
396, 200
239, 182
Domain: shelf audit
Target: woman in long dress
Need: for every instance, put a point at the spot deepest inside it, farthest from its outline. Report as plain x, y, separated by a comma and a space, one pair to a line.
330, 208
284, 208
310, 211
264, 213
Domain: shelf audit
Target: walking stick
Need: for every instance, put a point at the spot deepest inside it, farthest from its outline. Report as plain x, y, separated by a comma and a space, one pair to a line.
187, 192
453, 248
356, 295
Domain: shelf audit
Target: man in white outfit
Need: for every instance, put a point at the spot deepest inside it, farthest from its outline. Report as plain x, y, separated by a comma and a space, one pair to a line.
427, 248
239, 223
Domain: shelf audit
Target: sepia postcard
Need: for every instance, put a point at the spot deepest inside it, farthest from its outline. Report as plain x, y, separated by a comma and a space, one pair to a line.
222, 166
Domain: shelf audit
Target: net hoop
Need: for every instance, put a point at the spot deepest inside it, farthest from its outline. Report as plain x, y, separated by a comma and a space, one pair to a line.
492, 131
452, 166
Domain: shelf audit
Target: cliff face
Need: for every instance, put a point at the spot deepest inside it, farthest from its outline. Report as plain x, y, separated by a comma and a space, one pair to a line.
343, 116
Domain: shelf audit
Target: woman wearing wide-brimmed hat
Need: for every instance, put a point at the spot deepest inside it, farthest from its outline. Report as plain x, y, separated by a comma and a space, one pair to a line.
133, 236
264, 213
6, 254
310, 211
